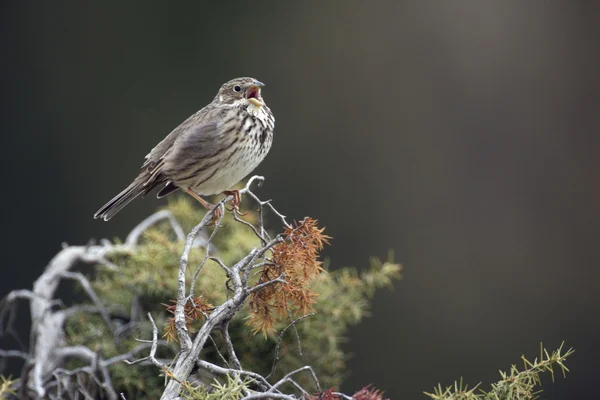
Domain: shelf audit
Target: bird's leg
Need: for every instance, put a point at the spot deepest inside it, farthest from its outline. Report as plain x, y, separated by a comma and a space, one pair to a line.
236, 201
217, 214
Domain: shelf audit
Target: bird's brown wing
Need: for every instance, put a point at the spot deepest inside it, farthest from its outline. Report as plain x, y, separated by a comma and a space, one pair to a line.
152, 173
187, 148
161, 149
198, 124
191, 149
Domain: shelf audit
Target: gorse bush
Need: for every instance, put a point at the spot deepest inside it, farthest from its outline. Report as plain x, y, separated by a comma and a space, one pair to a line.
146, 279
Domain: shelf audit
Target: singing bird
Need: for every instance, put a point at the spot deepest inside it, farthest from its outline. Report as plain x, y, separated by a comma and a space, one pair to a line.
209, 152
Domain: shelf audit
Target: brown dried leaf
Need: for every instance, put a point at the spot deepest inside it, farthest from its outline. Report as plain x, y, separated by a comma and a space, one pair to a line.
296, 259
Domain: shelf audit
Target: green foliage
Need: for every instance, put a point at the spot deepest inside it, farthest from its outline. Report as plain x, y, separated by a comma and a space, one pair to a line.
514, 385
230, 389
148, 278
7, 387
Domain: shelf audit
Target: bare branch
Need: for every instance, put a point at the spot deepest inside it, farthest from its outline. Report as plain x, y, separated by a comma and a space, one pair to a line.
249, 265
134, 236
268, 283
97, 364
287, 377
267, 247
83, 281
249, 225
81, 387
107, 382
189, 353
20, 294
292, 323
268, 204
153, 348
277, 345
180, 325
222, 265
262, 264
343, 396
217, 350
14, 353
230, 350
297, 386
68, 312
206, 252
81, 352
261, 381
46, 377
268, 395
126, 356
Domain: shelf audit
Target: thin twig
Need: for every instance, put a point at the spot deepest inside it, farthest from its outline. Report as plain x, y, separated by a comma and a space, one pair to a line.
343, 396
248, 266
293, 325
277, 346
138, 231
222, 265
260, 380
206, 253
294, 372
249, 225
153, 348
14, 353
279, 279
262, 264
126, 356
267, 395
230, 350
217, 350
268, 204
85, 284
297, 386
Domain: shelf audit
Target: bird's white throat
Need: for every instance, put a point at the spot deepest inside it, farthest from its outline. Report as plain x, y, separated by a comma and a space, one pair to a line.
256, 110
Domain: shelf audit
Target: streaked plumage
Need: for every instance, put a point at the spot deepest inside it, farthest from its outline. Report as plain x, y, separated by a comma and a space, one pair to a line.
209, 152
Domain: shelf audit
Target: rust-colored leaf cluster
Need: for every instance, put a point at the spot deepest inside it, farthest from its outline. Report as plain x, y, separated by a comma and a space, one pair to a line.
326, 395
366, 393
295, 259
195, 310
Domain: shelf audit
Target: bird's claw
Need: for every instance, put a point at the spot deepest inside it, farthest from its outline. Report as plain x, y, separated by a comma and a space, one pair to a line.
217, 215
235, 201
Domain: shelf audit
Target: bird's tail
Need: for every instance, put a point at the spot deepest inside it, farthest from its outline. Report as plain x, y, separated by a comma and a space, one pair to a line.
140, 186
115, 205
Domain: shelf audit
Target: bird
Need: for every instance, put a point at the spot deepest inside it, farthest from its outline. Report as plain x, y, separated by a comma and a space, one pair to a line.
208, 153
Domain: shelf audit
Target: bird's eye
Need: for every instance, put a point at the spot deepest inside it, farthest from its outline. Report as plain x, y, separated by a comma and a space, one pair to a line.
237, 88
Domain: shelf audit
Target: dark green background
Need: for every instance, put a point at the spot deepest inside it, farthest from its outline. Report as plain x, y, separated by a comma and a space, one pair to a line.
462, 134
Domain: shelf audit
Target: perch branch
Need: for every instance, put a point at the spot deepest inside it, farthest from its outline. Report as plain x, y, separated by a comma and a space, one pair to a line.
46, 377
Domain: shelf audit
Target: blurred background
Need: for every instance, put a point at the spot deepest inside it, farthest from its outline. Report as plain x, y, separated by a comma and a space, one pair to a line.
463, 135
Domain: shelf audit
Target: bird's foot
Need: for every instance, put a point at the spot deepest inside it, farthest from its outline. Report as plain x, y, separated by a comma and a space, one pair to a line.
236, 201
217, 215
218, 212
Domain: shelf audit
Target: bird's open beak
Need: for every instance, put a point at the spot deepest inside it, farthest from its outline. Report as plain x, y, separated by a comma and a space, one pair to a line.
253, 94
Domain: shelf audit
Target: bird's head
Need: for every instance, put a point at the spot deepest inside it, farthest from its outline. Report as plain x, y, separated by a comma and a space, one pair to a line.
243, 91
